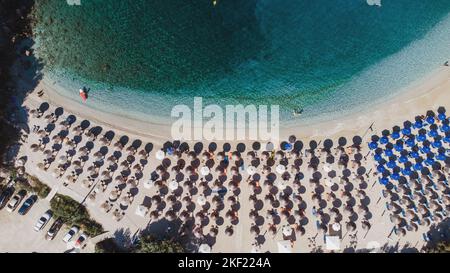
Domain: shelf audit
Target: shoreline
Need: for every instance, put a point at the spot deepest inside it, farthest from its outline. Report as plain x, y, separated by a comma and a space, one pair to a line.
427, 93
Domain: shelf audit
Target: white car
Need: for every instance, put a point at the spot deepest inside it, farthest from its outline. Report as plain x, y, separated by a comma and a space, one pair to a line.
74, 230
81, 240
43, 220
15, 201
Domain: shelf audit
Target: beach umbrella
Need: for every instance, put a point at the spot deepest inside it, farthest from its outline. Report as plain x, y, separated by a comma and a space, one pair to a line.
160, 155
254, 230
204, 171
388, 152
445, 127
201, 200
251, 170
430, 120
406, 171
141, 210
437, 144
395, 135
351, 226
173, 185
336, 227
395, 176
410, 142
373, 145
433, 133
154, 215
406, 131
391, 164
403, 159
287, 230
384, 181
269, 146
377, 157
418, 166
229, 231
280, 169
414, 154
384, 140
204, 248
421, 137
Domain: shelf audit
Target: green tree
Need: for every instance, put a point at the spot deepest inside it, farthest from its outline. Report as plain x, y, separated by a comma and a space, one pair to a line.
73, 213
150, 244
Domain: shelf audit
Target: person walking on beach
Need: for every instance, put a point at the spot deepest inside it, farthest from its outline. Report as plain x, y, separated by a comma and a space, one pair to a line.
314, 211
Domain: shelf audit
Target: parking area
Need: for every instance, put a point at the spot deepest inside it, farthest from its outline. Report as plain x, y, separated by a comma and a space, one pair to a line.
18, 235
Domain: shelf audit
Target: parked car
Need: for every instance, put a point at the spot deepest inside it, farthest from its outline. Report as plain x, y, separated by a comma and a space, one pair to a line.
51, 233
15, 201
5, 196
26, 206
81, 240
43, 220
69, 235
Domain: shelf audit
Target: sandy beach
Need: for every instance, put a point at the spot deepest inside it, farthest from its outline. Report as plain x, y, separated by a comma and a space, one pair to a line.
427, 94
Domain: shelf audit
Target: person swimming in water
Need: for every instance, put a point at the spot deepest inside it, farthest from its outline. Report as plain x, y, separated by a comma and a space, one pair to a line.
297, 112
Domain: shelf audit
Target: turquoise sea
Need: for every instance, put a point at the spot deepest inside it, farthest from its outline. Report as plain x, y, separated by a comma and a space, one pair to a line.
142, 57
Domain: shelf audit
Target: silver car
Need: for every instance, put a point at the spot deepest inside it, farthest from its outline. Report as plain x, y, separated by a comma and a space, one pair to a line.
43, 220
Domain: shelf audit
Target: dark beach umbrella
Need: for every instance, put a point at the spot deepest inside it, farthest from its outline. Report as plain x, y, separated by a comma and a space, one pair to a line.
342, 141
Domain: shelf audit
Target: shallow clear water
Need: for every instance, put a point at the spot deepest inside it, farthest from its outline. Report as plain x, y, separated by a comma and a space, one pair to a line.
142, 57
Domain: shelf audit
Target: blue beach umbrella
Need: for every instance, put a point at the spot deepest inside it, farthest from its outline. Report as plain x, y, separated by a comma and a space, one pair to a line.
395, 176
170, 150
418, 124
406, 131
429, 161
384, 140
445, 128
425, 149
442, 116
402, 159
377, 157
446, 139
437, 144
287, 146
430, 120
418, 166
406, 172
391, 164
373, 145
388, 152
421, 137
410, 142
398, 146
414, 154
433, 133
384, 181
395, 135
441, 157
381, 168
